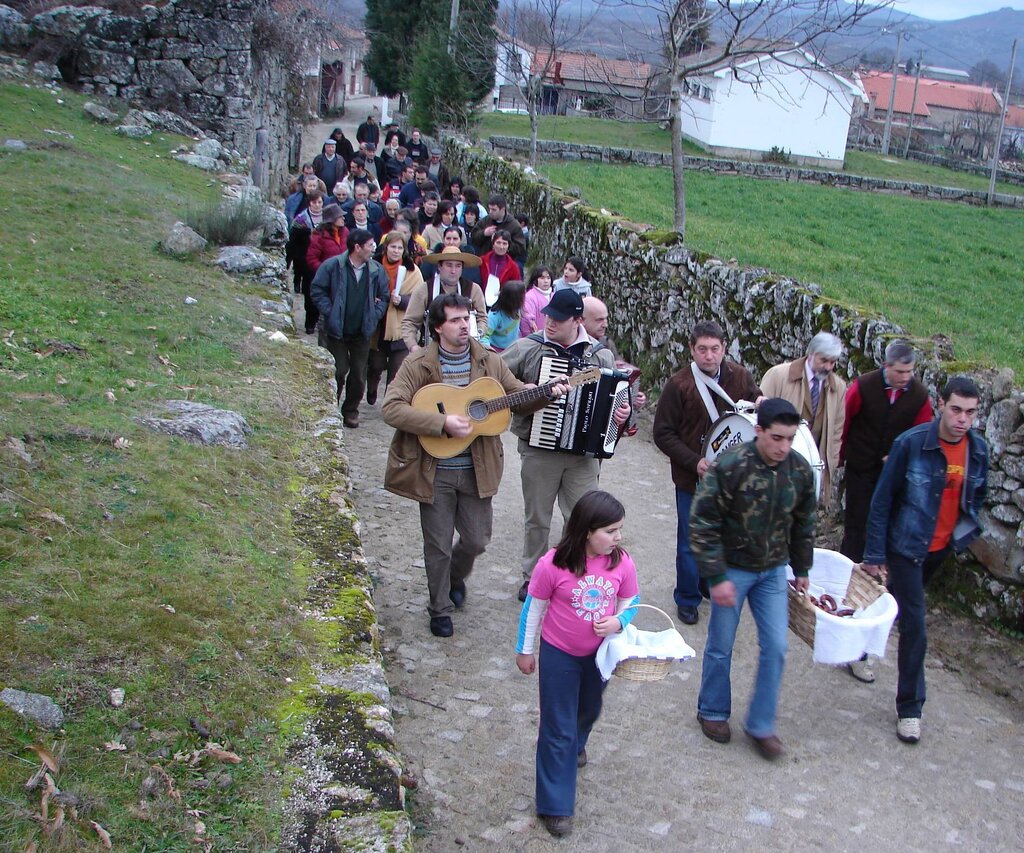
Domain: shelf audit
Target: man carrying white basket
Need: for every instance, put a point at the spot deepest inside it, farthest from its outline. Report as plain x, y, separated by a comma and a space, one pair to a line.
925, 505
753, 513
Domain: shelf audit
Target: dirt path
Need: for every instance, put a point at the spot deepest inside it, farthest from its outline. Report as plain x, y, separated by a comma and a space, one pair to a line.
466, 718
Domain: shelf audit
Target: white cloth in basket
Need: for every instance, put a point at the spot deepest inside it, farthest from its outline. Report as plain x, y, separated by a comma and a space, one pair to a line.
839, 640
633, 643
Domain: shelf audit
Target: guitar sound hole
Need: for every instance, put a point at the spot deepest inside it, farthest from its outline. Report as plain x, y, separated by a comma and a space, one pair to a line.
477, 410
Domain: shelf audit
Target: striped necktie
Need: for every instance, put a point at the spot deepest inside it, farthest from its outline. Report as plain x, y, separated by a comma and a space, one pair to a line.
815, 394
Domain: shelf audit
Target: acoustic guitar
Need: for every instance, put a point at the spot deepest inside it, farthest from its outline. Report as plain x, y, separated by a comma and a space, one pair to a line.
486, 405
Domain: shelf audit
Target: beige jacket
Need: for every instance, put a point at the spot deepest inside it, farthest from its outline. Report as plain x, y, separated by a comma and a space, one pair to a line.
789, 381
413, 321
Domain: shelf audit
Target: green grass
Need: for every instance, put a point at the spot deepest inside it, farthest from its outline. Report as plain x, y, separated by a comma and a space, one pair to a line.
651, 137
933, 267
86, 598
585, 130
895, 168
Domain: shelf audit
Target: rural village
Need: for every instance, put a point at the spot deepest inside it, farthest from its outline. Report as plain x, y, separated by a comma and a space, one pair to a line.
236, 607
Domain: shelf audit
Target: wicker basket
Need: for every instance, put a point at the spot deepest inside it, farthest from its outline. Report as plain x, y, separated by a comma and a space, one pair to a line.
862, 591
646, 669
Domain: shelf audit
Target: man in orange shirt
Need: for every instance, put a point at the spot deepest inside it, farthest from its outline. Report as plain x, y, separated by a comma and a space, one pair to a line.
926, 504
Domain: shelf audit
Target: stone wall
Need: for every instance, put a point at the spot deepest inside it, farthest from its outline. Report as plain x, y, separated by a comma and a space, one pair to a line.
516, 146
656, 289
202, 59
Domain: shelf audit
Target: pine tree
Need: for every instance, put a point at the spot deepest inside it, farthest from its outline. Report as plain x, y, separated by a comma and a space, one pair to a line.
395, 28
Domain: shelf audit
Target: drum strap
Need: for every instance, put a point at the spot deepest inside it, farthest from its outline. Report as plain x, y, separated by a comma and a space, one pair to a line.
705, 382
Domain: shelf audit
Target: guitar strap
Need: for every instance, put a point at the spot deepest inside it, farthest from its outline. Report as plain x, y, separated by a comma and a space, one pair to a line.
705, 383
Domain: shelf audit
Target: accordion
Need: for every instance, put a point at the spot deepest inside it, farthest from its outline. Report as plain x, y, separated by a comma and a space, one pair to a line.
581, 421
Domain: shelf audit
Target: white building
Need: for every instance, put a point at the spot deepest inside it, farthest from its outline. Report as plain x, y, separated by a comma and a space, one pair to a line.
788, 102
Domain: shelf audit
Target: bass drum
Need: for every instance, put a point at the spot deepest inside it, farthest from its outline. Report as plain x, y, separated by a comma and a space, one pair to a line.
735, 428
729, 430
803, 443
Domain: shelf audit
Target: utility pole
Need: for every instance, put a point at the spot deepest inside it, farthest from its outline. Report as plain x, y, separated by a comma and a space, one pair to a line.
886, 134
913, 105
453, 23
1002, 124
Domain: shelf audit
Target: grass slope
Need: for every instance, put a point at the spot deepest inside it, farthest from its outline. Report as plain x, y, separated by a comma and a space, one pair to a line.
161, 568
651, 137
930, 266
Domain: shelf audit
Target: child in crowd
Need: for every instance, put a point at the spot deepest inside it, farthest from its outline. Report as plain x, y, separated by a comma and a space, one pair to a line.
503, 318
538, 295
580, 592
574, 276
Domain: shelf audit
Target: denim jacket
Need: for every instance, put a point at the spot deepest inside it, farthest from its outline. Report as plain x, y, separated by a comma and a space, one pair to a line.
905, 506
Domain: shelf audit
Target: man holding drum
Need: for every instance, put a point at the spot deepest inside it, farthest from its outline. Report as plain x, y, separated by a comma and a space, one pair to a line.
811, 385
691, 401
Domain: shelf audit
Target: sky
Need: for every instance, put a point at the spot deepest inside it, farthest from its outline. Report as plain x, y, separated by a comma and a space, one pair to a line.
950, 10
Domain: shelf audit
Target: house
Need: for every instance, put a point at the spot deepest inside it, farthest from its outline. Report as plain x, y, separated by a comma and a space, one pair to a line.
1013, 132
578, 84
744, 107
342, 69
961, 117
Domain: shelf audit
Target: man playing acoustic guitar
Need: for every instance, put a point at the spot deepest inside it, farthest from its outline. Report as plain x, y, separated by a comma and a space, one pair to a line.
454, 493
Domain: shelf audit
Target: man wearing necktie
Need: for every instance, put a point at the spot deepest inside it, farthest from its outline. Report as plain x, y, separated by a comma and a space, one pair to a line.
816, 392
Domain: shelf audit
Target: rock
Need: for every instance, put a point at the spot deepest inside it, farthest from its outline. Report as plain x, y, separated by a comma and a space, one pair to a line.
201, 424
46, 71
191, 301
68, 22
206, 163
116, 697
236, 260
278, 337
275, 226
174, 123
14, 31
1002, 384
99, 113
39, 709
1003, 419
15, 145
137, 117
1007, 513
16, 446
208, 148
276, 307
134, 131
182, 240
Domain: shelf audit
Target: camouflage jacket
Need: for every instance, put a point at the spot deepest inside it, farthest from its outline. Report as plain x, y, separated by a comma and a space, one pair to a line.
749, 515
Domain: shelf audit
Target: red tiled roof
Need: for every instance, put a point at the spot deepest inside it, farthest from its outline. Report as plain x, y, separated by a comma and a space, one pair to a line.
935, 93
590, 68
1015, 116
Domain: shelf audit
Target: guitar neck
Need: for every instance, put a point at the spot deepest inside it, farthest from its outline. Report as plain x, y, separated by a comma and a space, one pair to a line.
519, 398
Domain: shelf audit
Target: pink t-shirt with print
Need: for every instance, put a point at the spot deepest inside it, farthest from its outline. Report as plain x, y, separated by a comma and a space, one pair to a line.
575, 603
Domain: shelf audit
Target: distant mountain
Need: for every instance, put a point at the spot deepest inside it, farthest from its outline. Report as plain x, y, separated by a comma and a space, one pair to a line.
633, 31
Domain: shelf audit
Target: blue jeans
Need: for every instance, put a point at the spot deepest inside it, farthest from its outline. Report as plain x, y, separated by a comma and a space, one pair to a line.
766, 592
570, 703
907, 582
687, 591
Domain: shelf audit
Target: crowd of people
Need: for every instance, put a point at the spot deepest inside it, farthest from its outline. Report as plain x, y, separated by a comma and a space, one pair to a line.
408, 278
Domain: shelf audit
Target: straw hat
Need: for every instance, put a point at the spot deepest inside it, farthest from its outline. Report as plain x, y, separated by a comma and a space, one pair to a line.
453, 253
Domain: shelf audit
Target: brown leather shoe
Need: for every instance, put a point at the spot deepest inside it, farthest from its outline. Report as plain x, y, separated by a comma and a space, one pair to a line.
770, 746
581, 758
557, 825
351, 421
716, 730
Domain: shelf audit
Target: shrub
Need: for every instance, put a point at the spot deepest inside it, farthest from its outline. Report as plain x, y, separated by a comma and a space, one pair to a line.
228, 223
776, 155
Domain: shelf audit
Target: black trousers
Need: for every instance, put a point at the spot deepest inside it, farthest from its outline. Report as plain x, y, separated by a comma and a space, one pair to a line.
860, 487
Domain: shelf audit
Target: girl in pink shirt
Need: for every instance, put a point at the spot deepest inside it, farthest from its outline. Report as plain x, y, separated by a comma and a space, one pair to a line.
538, 294
580, 592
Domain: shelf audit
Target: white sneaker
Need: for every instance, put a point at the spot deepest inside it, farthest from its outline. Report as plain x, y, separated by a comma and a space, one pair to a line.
908, 729
861, 670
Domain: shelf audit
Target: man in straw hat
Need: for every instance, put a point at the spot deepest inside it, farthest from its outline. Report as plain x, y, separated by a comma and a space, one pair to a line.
753, 513
448, 278
550, 474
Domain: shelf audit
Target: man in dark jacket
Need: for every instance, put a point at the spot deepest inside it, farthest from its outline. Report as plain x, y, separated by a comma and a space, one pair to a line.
368, 131
499, 217
753, 513
680, 424
351, 292
329, 167
925, 505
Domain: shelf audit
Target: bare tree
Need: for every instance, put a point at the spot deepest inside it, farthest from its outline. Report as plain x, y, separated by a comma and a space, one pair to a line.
531, 35
700, 36
983, 124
